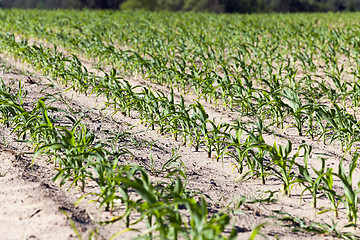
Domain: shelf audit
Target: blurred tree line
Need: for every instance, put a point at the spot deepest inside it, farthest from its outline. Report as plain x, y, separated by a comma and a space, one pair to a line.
219, 6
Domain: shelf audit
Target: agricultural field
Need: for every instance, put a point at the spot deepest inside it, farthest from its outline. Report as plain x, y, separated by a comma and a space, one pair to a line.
139, 125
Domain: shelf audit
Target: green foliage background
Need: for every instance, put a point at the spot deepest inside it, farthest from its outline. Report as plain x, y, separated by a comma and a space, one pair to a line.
220, 6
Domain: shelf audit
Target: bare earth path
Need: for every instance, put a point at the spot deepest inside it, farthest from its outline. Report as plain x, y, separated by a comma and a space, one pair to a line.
31, 204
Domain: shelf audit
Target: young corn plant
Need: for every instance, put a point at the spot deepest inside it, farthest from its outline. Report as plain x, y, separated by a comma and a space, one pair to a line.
75, 145
298, 110
199, 122
215, 138
326, 187
282, 164
233, 144
204, 227
351, 196
340, 126
255, 150
305, 179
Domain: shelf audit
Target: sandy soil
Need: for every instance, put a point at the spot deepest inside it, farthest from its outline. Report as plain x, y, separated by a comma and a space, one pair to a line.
33, 207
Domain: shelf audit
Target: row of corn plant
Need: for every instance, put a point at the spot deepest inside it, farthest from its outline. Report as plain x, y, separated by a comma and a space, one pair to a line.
209, 56
279, 98
192, 122
80, 158
157, 109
